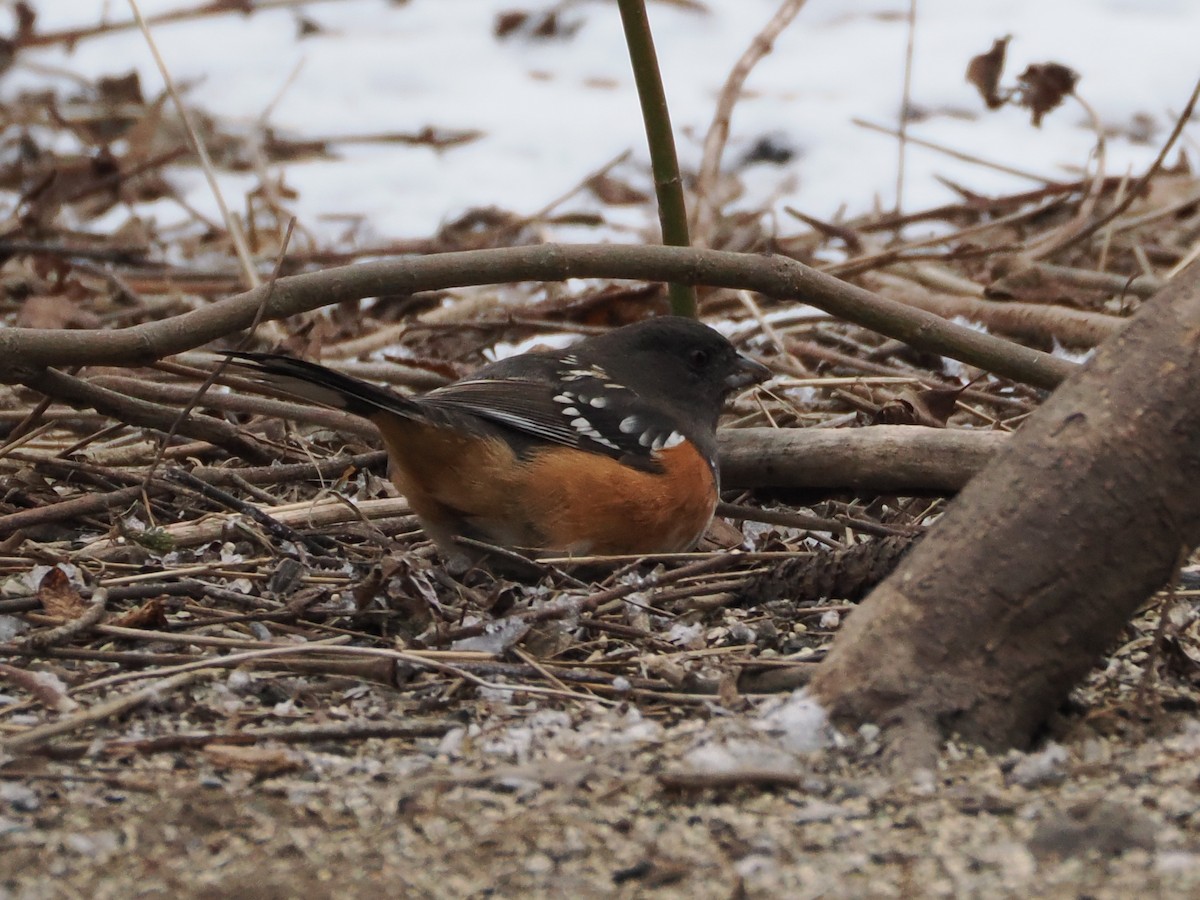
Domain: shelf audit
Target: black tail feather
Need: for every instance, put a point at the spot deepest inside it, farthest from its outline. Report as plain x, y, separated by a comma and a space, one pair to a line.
309, 381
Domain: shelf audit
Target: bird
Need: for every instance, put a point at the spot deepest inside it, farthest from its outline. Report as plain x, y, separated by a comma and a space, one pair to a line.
608, 447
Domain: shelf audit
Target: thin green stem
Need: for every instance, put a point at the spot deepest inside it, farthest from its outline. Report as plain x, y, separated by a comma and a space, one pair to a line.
668, 185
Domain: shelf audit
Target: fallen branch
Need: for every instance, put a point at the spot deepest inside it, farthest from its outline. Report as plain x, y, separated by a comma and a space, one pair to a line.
1029, 321
883, 457
24, 352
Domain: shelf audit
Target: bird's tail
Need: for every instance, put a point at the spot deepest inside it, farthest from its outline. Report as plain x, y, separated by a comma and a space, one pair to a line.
309, 381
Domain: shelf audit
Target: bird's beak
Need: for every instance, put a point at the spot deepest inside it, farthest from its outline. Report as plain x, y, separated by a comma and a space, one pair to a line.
748, 372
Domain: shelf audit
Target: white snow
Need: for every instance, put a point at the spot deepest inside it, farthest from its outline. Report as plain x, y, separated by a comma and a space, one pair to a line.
552, 111
797, 722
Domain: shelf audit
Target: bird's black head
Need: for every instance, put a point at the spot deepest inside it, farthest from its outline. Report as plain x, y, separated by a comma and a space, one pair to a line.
677, 363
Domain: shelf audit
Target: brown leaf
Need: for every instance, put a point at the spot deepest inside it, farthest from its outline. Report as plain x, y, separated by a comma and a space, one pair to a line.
306, 27
551, 26
54, 311
119, 89
1042, 87
720, 535
897, 411
58, 597
984, 72
509, 21
73, 180
262, 761
151, 614
940, 403
1015, 279
931, 407
614, 192
543, 26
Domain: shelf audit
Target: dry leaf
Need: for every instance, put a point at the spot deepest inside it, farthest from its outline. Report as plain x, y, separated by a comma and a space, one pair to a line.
720, 535
54, 311
58, 597
1043, 87
544, 26
262, 761
931, 407
940, 403
509, 21
151, 614
897, 411
118, 89
306, 27
984, 72
615, 192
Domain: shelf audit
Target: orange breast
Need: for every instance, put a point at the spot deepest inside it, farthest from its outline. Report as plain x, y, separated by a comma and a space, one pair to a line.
561, 500
604, 507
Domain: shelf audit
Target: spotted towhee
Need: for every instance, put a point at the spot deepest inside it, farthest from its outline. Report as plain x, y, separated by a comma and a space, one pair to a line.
607, 447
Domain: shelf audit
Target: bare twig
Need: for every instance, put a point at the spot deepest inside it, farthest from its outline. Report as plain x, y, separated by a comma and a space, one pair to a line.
1137, 189
1051, 244
34, 738
42, 689
72, 36
232, 225
958, 154
905, 104
186, 408
718, 132
140, 413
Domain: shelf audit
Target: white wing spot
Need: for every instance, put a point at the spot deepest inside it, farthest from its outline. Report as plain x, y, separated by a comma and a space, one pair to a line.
579, 374
662, 441
645, 439
598, 402
629, 425
570, 411
564, 397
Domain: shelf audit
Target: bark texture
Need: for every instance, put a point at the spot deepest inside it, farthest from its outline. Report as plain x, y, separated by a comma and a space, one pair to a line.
1016, 592
879, 458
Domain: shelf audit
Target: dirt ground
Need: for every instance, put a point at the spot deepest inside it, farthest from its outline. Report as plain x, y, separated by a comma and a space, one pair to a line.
532, 801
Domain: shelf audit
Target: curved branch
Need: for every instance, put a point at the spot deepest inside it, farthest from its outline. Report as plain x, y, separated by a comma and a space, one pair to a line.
25, 351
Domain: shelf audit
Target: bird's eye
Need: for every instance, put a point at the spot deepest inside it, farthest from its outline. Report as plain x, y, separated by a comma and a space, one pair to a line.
698, 358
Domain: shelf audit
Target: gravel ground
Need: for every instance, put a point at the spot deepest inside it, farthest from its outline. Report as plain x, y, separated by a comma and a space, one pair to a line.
529, 799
